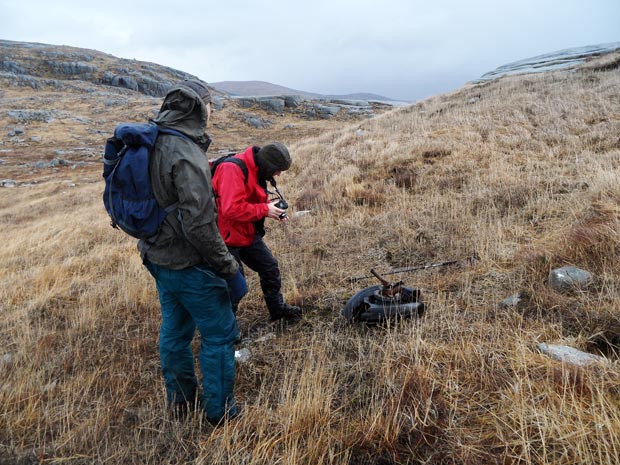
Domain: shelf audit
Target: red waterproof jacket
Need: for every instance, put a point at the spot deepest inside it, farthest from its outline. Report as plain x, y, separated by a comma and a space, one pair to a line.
239, 203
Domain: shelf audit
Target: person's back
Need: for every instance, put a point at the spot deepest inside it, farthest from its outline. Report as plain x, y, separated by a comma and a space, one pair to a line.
180, 173
190, 262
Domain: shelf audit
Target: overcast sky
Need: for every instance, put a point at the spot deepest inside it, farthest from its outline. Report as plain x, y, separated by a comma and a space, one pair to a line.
403, 49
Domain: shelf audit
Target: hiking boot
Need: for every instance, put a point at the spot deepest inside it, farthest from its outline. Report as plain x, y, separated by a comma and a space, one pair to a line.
287, 312
180, 410
218, 422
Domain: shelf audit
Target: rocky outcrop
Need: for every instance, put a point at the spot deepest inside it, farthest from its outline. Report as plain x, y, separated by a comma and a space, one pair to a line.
293, 101
557, 60
253, 120
323, 108
38, 65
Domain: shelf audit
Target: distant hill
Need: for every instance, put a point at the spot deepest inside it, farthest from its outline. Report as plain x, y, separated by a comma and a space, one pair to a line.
262, 88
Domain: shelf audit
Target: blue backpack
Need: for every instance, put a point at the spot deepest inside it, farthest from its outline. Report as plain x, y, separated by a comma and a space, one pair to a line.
128, 196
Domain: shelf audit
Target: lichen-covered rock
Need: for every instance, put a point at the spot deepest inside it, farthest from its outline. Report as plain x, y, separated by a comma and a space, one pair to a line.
326, 111
257, 122
293, 101
569, 354
45, 116
125, 81
246, 102
63, 68
569, 278
11, 66
271, 104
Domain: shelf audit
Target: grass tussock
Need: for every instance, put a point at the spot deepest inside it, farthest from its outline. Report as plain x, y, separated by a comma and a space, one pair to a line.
521, 171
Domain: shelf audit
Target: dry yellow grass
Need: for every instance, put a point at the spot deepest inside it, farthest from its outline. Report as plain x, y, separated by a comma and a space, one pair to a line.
526, 176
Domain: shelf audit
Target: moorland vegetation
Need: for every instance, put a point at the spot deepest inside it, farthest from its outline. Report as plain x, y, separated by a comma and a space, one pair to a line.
522, 171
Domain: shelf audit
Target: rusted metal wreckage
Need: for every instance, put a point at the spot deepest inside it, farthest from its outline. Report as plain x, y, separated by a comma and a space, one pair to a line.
388, 301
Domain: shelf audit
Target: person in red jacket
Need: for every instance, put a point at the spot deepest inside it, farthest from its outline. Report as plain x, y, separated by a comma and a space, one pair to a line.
243, 204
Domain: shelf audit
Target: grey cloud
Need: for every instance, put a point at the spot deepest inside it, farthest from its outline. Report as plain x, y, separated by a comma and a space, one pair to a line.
404, 49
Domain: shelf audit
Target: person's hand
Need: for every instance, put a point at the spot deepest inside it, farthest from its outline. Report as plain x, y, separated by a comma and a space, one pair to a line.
237, 287
275, 212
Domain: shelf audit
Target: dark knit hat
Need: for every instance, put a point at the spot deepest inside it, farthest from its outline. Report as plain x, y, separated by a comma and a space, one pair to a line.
271, 158
199, 87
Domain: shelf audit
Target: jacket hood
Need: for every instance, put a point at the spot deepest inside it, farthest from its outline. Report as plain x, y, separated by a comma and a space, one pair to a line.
184, 111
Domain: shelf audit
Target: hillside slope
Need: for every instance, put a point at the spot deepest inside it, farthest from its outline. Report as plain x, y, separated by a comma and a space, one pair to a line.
522, 172
561, 59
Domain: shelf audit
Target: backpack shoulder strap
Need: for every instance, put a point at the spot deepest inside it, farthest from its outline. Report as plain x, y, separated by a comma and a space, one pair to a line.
230, 158
241, 164
172, 132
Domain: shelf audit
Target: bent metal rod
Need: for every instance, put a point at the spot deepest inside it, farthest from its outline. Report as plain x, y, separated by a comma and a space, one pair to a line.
415, 268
